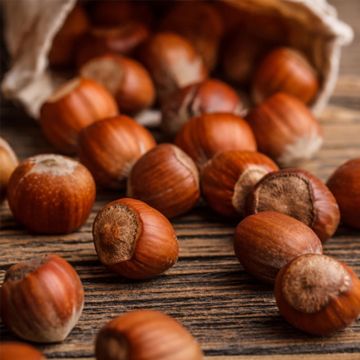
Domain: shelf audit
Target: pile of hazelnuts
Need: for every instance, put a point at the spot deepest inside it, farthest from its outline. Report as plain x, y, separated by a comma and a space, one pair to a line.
221, 145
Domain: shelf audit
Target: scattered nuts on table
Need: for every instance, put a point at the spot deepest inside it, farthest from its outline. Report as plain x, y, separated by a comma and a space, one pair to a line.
146, 334
75, 105
169, 59
267, 241
109, 148
134, 240
11, 350
318, 294
228, 177
297, 193
204, 136
42, 299
166, 179
51, 194
344, 183
8, 163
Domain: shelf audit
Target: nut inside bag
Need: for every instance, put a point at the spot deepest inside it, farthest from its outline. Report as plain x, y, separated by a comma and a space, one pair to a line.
312, 27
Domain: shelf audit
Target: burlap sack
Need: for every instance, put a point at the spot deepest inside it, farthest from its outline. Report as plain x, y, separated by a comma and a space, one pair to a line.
30, 25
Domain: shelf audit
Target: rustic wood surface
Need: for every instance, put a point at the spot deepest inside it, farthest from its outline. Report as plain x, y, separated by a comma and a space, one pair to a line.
233, 316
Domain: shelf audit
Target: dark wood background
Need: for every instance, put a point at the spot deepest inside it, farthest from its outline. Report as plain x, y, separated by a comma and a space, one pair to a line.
232, 315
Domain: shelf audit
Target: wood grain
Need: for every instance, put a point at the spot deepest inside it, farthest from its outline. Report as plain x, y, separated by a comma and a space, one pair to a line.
233, 316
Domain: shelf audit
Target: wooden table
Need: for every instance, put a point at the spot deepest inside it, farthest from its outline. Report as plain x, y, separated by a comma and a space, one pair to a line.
232, 315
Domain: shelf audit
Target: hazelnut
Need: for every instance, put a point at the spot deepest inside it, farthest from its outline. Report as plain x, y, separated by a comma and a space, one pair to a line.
209, 96
8, 163
126, 79
42, 299
75, 105
134, 240
172, 62
318, 294
229, 176
146, 334
241, 54
285, 129
297, 193
11, 350
65, 41
204, 136
123, 39
344, 183
285, 70
110, 147
51, 194
167, 179
267, 241
204, 35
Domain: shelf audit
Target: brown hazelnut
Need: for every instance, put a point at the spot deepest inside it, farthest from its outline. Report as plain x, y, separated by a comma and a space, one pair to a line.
146, 334
204, 136
110, 147
228, 177
204, 35
167, 179
75, 105
172, 62
209, 96
42, 299
66, 39
8, 163
11, 350
318, 294
344, 183
297, 193
123, 39
126, 79
285, 70
267, 241
51, 194
285, 129
134, 240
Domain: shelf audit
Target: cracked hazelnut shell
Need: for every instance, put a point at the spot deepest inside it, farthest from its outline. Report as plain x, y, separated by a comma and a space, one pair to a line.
8, 163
